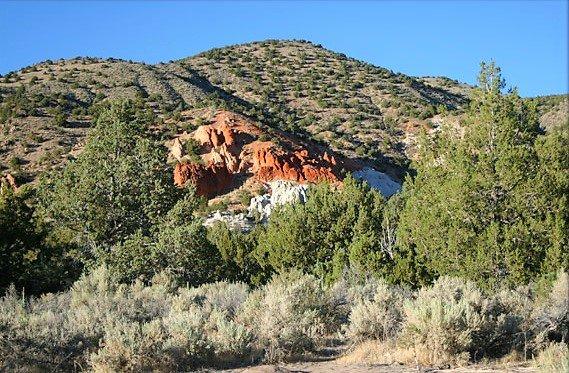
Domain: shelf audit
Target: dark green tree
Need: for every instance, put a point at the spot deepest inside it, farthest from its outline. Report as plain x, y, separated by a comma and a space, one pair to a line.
236, 249
26, 260
178, 245
119, 185
488, 202
335, 229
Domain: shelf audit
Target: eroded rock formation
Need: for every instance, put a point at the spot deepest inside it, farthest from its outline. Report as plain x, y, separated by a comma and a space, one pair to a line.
280, 192
231, 145
208, 179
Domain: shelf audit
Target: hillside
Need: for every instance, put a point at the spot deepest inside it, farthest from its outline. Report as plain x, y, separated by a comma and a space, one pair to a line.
46, 108
350, 107
553, 110
357, 108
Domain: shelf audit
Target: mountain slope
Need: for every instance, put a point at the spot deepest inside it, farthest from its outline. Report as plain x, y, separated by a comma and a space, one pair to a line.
353, 108
357, 108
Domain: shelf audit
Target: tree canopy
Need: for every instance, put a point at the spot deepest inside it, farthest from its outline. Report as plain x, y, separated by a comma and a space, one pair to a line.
489, 201
333, 230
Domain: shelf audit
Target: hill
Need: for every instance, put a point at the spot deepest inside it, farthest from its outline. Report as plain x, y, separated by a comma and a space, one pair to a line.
348, 106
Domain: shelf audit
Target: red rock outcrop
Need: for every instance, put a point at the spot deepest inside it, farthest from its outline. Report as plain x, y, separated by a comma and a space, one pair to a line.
231, 146
208, 180
271, 163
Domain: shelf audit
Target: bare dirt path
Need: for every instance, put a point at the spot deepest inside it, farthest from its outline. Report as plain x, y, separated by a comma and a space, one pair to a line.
335, 366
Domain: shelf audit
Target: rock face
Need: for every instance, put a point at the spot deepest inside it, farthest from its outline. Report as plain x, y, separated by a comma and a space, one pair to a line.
208, 180
281, 192
260, 208
378, 180
270, 163
239, 221
232, 146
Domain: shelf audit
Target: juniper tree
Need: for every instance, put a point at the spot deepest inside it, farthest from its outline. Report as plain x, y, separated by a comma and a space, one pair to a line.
488, 201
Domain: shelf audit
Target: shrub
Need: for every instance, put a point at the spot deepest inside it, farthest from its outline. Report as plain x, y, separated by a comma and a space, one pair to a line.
551, 319
231, 341
553, 359
187, 340
218, 295
445, 320
102, 325
38, 335
286, 315
132, 347
379, 318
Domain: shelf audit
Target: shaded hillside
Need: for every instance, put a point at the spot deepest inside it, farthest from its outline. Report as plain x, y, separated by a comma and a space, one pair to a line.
553, 110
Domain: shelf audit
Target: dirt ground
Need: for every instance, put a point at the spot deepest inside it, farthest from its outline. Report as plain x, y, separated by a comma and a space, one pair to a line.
335, 366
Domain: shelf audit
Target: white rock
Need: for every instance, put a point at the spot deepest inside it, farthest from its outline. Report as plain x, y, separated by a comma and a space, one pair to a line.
234, 221
281, 192
378, 180
287, 192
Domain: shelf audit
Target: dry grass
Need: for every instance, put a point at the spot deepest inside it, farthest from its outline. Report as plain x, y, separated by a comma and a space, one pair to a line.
381, 352
553, 359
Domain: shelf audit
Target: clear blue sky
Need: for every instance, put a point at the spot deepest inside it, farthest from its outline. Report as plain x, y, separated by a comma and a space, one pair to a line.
528, 39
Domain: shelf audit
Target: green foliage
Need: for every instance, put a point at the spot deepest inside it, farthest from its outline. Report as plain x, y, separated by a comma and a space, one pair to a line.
192, 149
59, 117
117, 203
332, 230
16, 104
236, 250
26, 260
117, 186
182, 246
491, 204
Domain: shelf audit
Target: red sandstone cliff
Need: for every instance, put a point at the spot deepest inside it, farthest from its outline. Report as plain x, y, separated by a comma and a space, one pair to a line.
231, 146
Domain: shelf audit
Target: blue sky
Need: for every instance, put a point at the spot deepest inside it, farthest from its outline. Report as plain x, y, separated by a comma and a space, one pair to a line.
528, 39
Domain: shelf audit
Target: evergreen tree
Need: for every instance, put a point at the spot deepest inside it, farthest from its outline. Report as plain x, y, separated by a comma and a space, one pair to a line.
179, 245
236, 249
482, 204
118, 185
333, 230
26, 260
